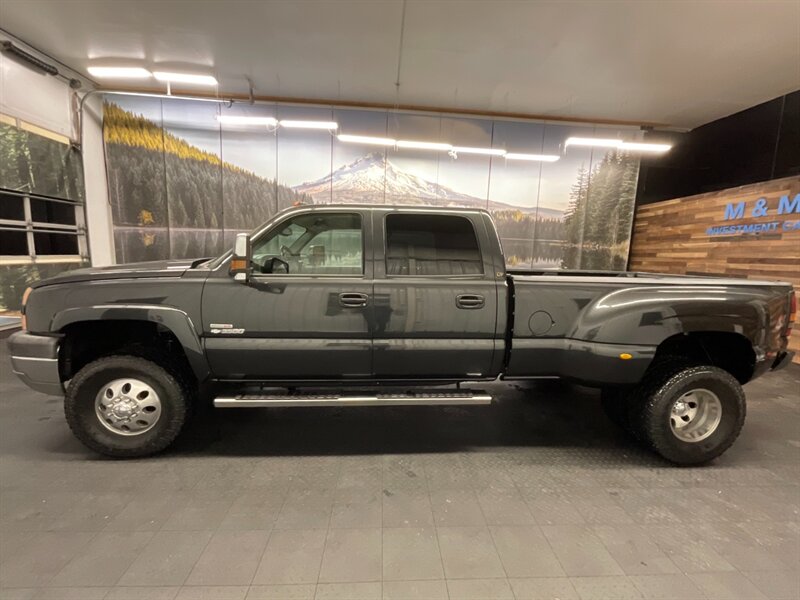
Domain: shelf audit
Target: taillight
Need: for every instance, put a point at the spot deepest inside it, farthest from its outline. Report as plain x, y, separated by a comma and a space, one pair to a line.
792, 314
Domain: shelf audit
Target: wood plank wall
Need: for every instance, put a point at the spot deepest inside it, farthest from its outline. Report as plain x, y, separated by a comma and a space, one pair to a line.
671, 237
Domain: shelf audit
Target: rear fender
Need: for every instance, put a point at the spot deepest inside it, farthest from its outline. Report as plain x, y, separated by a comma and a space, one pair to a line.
646, 316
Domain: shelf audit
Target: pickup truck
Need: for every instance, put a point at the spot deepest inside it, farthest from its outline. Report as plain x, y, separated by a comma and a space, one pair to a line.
379, 305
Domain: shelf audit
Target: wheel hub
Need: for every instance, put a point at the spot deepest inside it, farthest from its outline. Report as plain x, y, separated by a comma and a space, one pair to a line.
695, 415
124, 408
680, 408
128, 406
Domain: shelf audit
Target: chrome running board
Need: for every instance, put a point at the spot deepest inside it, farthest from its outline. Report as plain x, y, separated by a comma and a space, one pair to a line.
427, 398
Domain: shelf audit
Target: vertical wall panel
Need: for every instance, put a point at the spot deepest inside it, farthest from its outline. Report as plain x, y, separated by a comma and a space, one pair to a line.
464, 178
135, 168
358, 171
514, 190
304, 155
192, 150
250, 169
414, 176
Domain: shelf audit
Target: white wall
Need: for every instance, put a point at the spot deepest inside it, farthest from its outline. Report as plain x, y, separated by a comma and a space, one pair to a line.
48, 102
34, 97
98, 210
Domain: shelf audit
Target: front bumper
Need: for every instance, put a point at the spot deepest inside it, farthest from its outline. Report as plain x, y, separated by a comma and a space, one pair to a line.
783, 359
34, 359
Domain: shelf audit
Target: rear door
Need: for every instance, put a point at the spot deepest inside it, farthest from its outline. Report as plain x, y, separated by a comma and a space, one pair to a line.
435, 296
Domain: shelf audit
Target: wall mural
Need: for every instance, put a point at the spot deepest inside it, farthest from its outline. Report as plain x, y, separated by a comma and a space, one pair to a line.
182, 182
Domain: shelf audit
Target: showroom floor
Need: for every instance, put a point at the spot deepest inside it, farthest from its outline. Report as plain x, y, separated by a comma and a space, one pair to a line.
536, 496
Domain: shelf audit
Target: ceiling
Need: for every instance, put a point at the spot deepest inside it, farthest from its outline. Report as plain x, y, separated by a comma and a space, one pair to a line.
678, 64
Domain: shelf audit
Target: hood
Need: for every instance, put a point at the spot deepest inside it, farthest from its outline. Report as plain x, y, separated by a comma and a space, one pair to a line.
156, 268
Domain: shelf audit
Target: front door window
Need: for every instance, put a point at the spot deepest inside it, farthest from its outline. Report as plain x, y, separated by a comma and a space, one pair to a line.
312, 244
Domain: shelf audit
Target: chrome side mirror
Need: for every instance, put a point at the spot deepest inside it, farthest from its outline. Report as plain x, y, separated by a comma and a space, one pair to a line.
241, 265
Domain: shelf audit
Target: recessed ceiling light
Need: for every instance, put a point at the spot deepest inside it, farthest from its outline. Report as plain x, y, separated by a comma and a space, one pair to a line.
246, 120
329, 125
365, 139
487, 151
598, 142
119, 72
644, 147
536, 157
423, 145
184, 78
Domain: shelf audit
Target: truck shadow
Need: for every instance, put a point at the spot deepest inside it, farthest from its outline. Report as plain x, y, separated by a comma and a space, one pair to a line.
539, 415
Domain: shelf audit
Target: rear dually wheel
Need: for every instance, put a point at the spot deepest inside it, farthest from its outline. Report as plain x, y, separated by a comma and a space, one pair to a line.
689, 416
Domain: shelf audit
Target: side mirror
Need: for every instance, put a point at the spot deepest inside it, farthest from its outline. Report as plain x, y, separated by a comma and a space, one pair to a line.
241, 265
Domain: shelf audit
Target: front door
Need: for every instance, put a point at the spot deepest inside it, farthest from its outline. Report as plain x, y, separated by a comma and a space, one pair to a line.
306, 312
435, 298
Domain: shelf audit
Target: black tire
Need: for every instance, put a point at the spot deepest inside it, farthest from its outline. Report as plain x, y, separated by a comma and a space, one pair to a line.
79, 405
659, 373
615, 404
659, 392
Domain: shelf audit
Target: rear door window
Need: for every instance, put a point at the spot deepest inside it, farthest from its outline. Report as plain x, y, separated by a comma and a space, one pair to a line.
431, 245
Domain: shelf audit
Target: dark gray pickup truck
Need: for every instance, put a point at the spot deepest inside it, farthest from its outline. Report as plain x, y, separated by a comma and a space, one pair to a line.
366, 305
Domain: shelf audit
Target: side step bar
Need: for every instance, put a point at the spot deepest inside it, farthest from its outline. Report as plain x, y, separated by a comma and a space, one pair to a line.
427, 398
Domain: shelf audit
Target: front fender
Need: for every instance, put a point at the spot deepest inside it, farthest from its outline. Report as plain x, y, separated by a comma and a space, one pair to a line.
173, 319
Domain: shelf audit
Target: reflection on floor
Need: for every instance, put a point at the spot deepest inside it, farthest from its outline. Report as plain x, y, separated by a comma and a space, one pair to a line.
536, 496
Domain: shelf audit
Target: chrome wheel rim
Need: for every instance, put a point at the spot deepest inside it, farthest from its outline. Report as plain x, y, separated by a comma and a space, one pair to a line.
127, 406
695, 415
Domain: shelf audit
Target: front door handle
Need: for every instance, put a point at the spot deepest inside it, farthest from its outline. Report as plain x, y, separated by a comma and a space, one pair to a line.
353, 299
470, 301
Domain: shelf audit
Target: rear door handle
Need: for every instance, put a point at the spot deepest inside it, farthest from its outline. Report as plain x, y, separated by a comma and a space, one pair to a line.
353, 299
470, 301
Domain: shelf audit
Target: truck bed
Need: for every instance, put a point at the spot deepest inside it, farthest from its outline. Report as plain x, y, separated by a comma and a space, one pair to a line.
577, 324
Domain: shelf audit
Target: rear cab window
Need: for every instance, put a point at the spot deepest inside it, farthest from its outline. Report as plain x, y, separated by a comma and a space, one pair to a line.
431, 245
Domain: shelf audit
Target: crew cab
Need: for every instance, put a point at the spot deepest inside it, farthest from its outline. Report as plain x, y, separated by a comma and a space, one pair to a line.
380, 305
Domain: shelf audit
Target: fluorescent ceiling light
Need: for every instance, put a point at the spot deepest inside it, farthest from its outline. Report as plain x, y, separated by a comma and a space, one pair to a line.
184, 78
537, 157
310, 124
488, 151
246, 120
642, 147
423, 145
119, 72
365, 139
598, 142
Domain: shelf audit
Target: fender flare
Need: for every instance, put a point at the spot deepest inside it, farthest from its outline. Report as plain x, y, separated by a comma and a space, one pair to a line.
651, 315
173, 319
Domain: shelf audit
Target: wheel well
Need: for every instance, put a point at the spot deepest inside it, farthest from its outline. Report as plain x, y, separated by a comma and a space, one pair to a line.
86, 341
729, 351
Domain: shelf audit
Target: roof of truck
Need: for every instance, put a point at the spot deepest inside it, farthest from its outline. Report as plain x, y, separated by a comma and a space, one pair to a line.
363, 206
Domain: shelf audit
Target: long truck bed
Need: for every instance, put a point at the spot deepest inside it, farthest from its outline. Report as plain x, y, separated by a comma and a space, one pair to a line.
578, 324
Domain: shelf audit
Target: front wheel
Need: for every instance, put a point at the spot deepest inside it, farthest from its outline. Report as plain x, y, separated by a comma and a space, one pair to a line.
126, 406
691, 416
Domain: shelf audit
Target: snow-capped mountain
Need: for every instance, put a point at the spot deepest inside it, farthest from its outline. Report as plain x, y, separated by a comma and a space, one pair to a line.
372, 179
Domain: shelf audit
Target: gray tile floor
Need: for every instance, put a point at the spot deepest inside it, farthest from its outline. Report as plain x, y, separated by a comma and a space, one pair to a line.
537, 496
